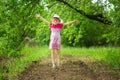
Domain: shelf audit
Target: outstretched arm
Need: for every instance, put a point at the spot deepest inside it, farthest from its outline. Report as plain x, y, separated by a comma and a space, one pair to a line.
43, 19
71, 22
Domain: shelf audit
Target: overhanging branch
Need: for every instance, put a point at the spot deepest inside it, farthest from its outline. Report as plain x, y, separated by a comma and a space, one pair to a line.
97, 17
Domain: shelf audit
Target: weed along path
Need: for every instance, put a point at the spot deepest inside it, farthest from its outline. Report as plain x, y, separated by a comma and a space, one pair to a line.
73, 68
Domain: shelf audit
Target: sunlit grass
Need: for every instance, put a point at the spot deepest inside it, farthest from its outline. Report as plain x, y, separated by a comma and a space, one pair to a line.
108, 55
18, 64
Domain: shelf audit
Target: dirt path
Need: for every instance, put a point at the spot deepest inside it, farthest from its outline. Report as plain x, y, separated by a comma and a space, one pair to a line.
72, 69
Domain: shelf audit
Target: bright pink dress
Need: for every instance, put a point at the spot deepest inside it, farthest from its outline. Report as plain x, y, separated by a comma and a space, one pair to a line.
55, 39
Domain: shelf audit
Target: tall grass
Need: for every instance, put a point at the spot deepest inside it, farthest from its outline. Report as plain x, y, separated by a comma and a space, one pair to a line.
108, 55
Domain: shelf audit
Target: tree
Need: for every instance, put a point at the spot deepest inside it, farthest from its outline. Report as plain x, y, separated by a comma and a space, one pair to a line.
97, 26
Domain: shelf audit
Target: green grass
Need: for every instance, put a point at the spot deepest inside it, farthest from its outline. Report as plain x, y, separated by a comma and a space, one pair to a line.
108, 55
18, 64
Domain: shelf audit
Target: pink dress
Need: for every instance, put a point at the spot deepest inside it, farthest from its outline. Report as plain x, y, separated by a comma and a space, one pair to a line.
55, 39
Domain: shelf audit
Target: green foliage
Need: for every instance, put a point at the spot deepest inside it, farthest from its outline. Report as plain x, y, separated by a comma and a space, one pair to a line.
113, 32
17, 20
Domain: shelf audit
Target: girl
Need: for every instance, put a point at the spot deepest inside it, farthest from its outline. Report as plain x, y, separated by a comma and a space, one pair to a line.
55, 39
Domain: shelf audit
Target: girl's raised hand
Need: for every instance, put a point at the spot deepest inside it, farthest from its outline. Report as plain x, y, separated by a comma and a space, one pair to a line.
43, 19
38, 15
75, 21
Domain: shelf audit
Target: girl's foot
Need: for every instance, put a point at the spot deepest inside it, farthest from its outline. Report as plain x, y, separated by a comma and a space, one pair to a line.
54, 67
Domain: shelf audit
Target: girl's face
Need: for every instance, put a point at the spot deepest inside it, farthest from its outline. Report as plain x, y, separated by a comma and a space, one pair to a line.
55, 20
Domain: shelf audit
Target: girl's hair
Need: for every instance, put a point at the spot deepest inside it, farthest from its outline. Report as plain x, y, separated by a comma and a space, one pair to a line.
56, 18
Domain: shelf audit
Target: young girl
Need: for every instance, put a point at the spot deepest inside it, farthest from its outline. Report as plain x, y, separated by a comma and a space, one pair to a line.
55, 39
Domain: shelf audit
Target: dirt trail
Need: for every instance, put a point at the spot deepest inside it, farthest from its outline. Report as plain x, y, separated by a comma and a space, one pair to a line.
72, 69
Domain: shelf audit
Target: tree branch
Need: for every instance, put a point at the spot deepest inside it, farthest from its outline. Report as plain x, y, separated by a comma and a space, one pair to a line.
97, 17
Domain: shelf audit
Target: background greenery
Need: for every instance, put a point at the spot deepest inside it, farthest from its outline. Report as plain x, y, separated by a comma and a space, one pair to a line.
97, 28
98, 22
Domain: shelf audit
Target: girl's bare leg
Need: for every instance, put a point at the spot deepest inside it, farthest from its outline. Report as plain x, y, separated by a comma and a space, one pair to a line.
58, 57
53, 57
